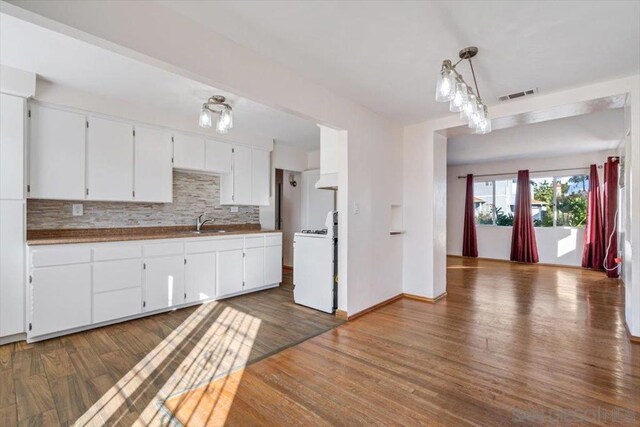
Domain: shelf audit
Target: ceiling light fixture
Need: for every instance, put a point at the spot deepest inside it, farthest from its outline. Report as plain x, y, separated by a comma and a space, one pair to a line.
217, 105
453, 89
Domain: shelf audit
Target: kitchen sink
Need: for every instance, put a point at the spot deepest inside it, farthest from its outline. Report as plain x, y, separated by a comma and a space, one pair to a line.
209, 231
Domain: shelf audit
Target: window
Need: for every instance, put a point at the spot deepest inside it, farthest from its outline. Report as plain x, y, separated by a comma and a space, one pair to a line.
555, 201
483, 202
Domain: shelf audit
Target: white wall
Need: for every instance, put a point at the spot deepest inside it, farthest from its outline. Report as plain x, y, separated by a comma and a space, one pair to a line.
56, 94
313, 159
372, 158
291, 214
556, 245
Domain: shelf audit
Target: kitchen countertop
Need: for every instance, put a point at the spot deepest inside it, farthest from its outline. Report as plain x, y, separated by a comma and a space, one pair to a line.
93, 235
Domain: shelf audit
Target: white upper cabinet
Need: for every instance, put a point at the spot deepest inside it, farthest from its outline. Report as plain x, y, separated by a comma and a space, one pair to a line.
218, 156
57, 154
188, 152
248, 183
260, 177
109, 160
242, 175
153, 168
11, 147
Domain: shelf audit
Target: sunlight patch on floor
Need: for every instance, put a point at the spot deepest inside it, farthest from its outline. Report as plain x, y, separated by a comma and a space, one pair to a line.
212, 342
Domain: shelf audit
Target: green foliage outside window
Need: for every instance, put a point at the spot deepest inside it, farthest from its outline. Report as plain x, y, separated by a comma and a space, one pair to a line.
558, 201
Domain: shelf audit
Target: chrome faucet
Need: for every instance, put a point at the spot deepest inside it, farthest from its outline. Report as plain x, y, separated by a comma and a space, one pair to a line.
200, 222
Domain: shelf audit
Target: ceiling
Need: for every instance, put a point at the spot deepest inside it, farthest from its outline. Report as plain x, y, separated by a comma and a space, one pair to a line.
385, 55
59, 59
585, 133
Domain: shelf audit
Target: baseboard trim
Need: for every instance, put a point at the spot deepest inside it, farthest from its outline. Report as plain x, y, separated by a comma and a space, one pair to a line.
350, 317
544, 264
634, 339
425, 299
341, 314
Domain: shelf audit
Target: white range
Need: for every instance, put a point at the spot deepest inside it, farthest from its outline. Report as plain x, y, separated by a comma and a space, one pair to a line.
315, 266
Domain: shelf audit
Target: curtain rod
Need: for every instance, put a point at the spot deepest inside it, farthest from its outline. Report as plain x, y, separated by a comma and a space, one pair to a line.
516, 173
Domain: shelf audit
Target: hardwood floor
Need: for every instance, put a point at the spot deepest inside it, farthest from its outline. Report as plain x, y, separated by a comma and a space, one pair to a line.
116, 375
511, 343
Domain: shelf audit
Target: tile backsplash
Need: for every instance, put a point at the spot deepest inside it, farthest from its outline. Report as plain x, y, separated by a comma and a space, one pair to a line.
193, 194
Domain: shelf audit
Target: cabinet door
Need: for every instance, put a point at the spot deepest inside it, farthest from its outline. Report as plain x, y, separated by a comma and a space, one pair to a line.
200, 281
272, 265
11, 267
260, 177
164, 282
218, 157
57, 154
188, 152
153, 168
242, 171
253, 268
11, 147
109, 160
60, 298
229, 272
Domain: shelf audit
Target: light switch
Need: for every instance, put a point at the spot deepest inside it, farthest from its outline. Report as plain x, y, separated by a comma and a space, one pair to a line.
234, 209
77, 209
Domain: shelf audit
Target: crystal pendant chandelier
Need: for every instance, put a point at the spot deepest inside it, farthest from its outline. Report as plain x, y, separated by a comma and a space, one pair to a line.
216, 105
452, 88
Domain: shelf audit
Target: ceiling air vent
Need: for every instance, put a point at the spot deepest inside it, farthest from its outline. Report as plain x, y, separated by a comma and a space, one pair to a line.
517, 94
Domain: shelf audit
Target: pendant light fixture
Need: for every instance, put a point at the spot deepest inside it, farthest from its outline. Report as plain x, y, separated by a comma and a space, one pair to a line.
452, 88
217, 105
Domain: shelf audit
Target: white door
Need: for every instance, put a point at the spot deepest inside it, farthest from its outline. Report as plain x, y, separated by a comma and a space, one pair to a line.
60, 298
109, 160
188, 152
272, 265
11, 147
57, 154
260, 177
11, 267
200, 280
218, 156
164, 282
153, 180
242, 171
253, 268
229, 272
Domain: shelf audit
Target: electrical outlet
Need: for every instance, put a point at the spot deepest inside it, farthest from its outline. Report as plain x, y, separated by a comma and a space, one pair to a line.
77, 209
234, 209
356, 208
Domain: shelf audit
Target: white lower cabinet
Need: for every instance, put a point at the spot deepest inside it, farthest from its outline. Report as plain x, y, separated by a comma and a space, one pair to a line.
164, 282
74, 287
200, 277
230, 275
272, 264
253, 268
60, 298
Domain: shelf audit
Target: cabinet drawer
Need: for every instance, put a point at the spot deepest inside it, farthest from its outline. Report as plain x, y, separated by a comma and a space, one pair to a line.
230, 244
273, 240
202, 246
106, 253
117, 304
113, 275
60, 256
254, 242
163, 249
